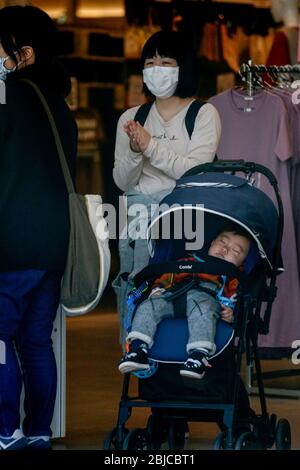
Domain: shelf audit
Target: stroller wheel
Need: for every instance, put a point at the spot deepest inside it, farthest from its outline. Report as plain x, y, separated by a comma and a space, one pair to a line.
157, 431
110, 440
137, 439
220, 441
247, 441
283, 435
176, 434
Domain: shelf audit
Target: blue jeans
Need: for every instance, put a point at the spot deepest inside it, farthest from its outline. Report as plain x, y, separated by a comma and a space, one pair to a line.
28, 305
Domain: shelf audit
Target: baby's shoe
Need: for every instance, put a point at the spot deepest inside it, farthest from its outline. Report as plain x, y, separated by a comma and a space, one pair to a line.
135, 359
195, 366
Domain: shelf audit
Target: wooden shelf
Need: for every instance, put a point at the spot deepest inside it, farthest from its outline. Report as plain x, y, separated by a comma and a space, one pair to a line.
255, 3
95, 58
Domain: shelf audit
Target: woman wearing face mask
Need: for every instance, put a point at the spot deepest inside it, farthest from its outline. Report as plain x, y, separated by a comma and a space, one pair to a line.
150, 158
34, 221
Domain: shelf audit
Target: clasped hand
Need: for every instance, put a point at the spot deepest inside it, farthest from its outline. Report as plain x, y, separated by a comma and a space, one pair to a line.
139, 137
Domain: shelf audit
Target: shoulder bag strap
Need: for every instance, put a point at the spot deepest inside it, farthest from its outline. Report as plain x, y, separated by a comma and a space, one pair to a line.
60, 150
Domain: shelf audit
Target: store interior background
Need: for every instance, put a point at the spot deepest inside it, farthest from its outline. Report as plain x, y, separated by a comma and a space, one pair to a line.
99, 41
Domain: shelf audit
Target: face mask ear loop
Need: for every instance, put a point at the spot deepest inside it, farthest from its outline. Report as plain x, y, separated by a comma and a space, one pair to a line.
22, 60
18, 63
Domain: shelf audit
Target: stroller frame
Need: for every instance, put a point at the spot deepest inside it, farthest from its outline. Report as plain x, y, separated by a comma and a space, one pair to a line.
258, 431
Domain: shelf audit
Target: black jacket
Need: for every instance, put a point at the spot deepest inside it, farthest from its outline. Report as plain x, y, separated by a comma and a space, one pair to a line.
34, 215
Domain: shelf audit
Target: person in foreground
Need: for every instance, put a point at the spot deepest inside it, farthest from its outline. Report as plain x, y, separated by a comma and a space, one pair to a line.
210, 299
34, 220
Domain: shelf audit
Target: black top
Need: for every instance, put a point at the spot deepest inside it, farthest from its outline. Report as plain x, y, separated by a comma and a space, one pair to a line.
34, 214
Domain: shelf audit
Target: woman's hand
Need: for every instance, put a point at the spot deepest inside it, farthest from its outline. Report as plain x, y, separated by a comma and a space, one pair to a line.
227, 314
139, 137
129, 129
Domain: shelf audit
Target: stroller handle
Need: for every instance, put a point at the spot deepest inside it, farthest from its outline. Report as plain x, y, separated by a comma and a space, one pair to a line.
232, 165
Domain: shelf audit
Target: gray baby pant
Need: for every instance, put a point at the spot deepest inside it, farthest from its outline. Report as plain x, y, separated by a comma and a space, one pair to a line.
202, 311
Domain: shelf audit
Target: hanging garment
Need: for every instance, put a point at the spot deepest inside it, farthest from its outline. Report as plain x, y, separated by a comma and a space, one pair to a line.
263, 136
234, 46
260, 47
210, 46
280, 51
298, 50
286, 94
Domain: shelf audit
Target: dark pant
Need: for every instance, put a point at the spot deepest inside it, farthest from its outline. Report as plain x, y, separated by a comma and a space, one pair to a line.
28, 305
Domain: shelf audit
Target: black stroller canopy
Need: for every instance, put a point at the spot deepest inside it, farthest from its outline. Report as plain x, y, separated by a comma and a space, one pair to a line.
224, 199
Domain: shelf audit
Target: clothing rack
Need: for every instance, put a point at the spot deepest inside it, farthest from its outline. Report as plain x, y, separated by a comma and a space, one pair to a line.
248, 72
252, 68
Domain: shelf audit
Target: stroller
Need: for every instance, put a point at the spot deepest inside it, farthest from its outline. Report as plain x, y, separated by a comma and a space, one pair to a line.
221, 396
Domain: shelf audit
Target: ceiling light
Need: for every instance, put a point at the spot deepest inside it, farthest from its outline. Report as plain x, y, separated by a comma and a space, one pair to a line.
106, 12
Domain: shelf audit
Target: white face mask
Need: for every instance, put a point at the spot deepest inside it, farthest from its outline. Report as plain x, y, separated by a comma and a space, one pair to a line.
3, 70
161, 81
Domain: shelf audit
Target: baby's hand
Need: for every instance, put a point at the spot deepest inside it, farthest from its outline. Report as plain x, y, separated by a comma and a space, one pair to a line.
157, 291
227, 314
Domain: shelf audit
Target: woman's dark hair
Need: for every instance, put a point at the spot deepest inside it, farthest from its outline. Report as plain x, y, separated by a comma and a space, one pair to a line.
174, 45
30, 26
27, 26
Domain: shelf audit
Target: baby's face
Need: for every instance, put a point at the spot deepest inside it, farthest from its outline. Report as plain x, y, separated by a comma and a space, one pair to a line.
230, 247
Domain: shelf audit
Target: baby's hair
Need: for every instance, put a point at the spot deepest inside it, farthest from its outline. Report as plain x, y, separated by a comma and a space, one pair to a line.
237, 230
